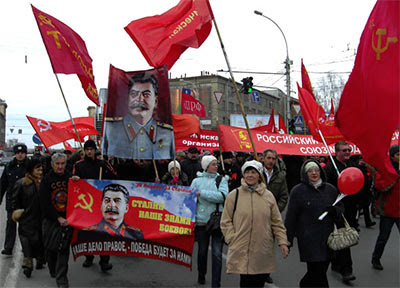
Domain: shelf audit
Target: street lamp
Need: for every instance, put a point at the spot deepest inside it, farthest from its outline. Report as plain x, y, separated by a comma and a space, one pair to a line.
287, 68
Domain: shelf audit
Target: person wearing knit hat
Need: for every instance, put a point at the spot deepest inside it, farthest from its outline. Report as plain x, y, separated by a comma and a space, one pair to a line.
308, 200
212, 189
27, 213
174, 175
251, 218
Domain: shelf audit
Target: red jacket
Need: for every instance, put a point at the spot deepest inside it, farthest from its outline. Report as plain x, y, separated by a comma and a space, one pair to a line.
388, 202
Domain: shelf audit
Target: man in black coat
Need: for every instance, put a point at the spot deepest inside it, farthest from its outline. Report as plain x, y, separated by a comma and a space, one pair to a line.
14, 171
89, 168
343, 263
56, 232
191, 165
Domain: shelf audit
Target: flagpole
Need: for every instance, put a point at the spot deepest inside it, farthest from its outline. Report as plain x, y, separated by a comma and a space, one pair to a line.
69, 112
329, 152
236, 89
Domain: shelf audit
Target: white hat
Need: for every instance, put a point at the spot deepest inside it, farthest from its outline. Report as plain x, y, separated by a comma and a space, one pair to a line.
206, 160
171, 165
310, 165
254, 164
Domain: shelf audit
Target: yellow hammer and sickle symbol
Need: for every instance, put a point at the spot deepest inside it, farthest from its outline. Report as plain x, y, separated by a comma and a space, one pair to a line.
85, 204
379, 49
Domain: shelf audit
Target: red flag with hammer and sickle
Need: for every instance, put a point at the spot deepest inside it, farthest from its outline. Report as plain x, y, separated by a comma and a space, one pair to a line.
368, 111
67, 51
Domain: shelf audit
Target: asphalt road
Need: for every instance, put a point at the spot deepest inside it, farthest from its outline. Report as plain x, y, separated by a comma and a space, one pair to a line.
138, 272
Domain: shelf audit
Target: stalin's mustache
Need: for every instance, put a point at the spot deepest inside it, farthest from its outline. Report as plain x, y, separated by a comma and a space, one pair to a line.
140, 105
112, 210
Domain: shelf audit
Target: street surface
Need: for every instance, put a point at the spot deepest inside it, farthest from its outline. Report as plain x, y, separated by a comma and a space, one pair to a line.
140, 272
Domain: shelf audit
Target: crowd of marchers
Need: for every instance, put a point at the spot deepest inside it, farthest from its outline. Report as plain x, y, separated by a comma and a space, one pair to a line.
251, 192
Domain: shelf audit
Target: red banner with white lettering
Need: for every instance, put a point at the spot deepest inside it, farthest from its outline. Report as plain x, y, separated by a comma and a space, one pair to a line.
67, 51
207, 139
135, 219
51, 133
191, 105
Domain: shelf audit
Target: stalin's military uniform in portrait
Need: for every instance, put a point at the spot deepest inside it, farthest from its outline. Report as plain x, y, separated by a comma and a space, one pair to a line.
128, 139
105, 231
137, 135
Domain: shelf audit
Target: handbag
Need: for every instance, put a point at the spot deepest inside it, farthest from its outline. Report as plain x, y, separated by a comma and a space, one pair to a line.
213, 224
343, 237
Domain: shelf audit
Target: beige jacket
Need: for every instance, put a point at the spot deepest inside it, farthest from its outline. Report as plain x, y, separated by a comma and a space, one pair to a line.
250, 236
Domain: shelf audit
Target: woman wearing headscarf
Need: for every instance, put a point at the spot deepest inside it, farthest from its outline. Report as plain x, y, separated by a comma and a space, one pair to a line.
308, 200
250, 222
210, 197
27, 212
175, 175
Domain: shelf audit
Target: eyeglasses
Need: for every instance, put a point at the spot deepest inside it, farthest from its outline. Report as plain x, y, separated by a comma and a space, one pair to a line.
346, 150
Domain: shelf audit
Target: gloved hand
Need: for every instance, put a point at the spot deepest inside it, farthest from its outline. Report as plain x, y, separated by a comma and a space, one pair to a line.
16, 215
175, 180
332, 211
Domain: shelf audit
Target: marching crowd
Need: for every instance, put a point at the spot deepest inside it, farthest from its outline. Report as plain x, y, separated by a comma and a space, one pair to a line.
260, 199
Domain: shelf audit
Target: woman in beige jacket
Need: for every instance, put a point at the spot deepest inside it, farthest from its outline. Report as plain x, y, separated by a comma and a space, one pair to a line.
250, 222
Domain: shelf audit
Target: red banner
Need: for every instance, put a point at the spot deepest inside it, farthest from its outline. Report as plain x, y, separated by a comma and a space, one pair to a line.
67, 51
191, 105
163, 38
237, 139
208, 139
185, 125
136, 219
51, 133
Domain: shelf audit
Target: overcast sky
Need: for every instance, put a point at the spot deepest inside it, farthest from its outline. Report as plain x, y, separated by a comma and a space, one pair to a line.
325, 33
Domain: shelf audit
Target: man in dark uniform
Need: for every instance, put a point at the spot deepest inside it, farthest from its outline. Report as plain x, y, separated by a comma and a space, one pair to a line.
138, 135
89, 168
14, 170
115, 203
191, 165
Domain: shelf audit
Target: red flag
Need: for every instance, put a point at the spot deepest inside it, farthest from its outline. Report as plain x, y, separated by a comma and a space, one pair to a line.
185, 125
191, 105
163, 38
368, 111
314, 116
271, 123
67, 51
282, 126
305, 79
52, 133
68, 146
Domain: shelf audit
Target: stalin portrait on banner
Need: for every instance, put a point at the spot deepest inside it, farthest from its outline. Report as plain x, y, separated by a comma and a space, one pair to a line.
144, 131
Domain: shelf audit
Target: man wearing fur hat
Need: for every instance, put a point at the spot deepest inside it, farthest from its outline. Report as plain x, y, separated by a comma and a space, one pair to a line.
27, 212
14, 170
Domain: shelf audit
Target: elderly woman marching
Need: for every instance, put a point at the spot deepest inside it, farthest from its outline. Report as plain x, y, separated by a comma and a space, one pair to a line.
308, 200
211, 196
26, 205
250, 222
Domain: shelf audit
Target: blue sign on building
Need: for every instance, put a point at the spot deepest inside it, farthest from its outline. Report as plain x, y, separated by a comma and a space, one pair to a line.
255, 97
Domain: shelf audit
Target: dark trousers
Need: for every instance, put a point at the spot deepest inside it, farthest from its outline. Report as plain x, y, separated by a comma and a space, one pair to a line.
103, 258
342, 261
11, 232
316, 275
385, 227
254, 280
57, 262
203, 241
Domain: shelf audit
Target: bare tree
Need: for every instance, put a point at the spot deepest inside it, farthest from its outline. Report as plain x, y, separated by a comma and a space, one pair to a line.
329, 86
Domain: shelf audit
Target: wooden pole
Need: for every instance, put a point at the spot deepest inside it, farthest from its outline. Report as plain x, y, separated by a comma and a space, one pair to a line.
69, 112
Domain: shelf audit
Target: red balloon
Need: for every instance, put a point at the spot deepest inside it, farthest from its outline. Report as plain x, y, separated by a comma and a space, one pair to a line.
350, 181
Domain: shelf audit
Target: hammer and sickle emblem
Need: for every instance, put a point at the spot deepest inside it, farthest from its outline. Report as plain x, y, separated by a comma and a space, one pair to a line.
378, 48
84, 204
43, 125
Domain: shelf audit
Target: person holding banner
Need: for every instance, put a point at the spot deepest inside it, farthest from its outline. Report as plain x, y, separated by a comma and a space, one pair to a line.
174, 175
250, 223
308, 200
211, 196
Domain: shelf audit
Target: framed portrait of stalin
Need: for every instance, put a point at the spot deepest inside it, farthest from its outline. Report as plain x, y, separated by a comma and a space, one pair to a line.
138, 120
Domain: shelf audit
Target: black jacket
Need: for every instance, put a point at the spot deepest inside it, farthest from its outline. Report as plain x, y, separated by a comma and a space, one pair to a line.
182, 181
191, 167
306, 204
90, 169
12, 172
